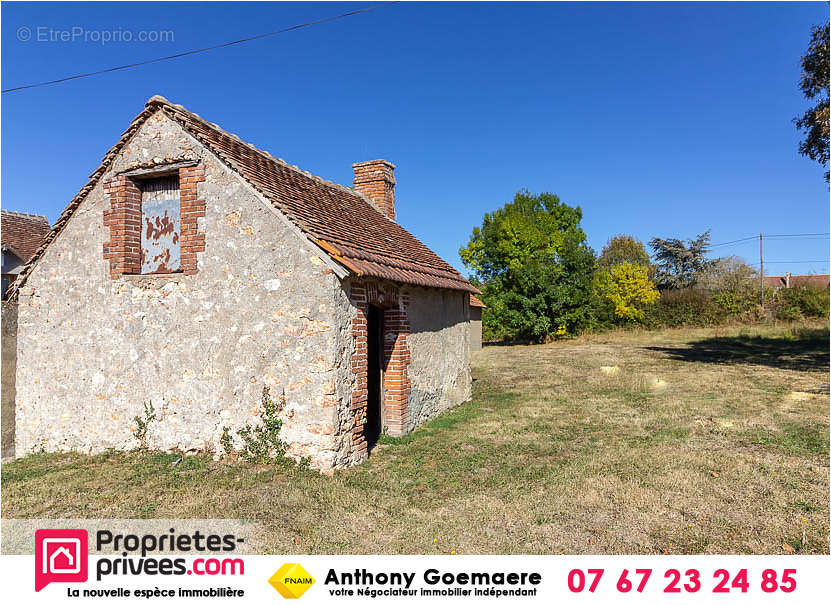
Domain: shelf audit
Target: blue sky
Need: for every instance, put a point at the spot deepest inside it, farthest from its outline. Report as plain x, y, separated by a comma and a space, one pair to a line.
657, 119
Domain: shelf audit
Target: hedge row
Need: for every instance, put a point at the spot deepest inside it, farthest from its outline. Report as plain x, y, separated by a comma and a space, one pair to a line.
701, 308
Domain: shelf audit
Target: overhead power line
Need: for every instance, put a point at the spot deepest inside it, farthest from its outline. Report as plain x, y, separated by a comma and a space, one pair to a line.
775, 236
735, 241
797, 235
201, 50
789, 239
791, 262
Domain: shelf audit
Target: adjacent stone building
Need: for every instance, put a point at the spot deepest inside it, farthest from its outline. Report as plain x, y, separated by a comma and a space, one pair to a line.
476, 307
22, 234
194, 269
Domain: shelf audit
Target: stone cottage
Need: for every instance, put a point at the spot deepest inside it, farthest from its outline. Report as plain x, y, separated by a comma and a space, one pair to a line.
194, 269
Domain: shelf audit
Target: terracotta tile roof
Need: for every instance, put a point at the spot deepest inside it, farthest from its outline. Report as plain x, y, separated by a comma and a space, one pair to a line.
23, 233
475, 302
796, 281
340, 220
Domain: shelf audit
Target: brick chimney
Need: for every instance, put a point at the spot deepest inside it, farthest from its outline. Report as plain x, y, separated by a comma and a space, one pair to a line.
375, 180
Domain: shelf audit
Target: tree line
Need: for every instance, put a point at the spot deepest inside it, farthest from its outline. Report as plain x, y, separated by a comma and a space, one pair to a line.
540, 279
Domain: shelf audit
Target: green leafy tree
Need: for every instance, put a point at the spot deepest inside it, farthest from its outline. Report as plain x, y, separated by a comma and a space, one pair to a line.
679, 264
628, 288
623, 249
534, 268
814, 85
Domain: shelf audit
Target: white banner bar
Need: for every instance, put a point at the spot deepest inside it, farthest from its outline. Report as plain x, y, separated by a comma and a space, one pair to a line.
235, 578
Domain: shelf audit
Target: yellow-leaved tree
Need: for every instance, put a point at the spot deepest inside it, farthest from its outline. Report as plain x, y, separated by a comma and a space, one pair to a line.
628, 288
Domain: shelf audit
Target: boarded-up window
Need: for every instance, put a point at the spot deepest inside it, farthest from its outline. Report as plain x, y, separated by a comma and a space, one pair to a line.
160, 248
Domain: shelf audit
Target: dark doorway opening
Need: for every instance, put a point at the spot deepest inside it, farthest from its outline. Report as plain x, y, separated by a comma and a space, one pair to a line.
375, 376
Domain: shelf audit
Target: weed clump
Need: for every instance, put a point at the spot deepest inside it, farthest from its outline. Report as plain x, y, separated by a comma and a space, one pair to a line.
142, 423
261, 443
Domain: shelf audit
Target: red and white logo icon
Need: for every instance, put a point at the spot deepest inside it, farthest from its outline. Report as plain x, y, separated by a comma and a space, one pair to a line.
60, 556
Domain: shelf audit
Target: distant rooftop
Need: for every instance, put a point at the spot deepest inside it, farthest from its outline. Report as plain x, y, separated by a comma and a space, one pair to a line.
785, 281
23, 233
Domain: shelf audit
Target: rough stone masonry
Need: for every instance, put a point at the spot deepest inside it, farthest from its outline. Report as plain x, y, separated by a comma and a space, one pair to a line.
257, 303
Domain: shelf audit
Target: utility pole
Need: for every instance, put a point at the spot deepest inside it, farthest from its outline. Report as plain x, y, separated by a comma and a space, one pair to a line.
761, 274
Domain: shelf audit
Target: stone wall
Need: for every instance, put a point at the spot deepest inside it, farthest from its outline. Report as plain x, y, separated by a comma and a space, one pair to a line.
439, 345
259, 307
9, 346
475, 328
263, 309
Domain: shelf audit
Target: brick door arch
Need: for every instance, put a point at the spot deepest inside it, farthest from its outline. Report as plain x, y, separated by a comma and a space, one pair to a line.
396, 360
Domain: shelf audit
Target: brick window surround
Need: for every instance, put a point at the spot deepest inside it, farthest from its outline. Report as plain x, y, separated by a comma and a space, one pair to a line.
395, 363
123, 218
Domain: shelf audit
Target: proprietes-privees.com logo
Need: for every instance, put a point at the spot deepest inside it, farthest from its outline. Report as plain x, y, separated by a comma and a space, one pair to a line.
62, 555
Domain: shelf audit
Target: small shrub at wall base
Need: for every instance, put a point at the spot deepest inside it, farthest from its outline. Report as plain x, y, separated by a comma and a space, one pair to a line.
227, 441
142, 423
261, 443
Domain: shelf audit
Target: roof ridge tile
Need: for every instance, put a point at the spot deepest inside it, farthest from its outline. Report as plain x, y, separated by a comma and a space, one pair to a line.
24, 214
256, 149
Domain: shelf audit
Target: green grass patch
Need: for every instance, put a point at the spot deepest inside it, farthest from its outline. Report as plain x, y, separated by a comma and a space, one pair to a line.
550, 456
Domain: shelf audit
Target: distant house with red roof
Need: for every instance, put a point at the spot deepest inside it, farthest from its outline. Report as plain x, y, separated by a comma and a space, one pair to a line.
195, 270
22, 234
797, 281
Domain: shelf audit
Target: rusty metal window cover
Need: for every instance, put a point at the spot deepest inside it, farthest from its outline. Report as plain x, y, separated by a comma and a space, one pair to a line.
160, 226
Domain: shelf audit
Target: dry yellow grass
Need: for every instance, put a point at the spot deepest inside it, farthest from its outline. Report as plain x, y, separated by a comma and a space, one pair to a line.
703, 441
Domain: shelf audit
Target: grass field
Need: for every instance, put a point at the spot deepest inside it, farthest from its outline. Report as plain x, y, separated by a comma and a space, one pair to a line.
700, 441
